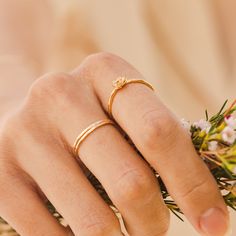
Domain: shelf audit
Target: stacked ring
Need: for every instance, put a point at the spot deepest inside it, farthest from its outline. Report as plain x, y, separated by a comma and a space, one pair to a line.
86, 132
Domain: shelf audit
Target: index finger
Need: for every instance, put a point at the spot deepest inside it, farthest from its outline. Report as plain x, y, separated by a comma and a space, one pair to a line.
159, 136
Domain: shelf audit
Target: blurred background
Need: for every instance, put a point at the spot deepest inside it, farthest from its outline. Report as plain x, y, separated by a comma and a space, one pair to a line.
186, 48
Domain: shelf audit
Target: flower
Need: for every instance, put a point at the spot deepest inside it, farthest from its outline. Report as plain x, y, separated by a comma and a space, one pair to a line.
228, 135
203, 125
231, 122
186, 124
212, 145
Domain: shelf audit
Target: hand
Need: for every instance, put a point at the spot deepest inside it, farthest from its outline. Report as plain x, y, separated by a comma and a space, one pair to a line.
37, 163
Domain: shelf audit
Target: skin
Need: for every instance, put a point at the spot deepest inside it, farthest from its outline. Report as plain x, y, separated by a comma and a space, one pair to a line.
36, 162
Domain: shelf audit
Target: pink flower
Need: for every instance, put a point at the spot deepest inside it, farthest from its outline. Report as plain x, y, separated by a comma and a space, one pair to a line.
228, 135
212, 145
203, 125
231, 122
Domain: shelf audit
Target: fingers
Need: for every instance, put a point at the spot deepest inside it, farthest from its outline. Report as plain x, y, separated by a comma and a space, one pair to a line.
159, 136
23, 209
125, 176
70, 192
127, 179
47, 159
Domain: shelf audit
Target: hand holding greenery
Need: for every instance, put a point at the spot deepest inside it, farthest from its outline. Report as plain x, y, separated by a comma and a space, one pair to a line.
215, 141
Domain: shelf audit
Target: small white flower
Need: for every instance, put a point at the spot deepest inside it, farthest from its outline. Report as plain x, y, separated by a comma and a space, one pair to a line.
212, 145
228, 135
203, 125
231, 122
185, 124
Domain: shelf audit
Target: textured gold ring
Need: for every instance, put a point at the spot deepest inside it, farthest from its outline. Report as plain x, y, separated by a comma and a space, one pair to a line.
86, 132
120, 83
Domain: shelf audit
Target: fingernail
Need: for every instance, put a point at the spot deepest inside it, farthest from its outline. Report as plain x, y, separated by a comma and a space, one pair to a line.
214, 222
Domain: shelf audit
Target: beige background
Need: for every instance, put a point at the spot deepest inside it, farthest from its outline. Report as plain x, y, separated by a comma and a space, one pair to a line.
186, 48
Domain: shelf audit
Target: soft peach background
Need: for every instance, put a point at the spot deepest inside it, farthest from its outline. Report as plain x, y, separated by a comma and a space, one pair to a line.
186, 48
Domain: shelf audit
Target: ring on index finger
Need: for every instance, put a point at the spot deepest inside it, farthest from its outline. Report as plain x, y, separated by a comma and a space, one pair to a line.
120, 83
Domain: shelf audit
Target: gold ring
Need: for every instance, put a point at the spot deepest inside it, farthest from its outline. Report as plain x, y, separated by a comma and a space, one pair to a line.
86, 132
120, 83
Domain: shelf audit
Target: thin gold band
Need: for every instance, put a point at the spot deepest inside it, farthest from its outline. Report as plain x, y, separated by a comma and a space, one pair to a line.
86, 132
120, 83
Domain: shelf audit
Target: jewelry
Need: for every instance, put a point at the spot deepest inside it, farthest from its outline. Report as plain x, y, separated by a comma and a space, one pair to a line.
118, 84
86, 132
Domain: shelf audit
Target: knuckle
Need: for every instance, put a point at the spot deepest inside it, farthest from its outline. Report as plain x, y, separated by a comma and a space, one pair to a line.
98, 63
9, 130
101, 57
194, 188
53, 93
49, 86
94, 225
159, 225
15, 133
133, 185
158, 127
